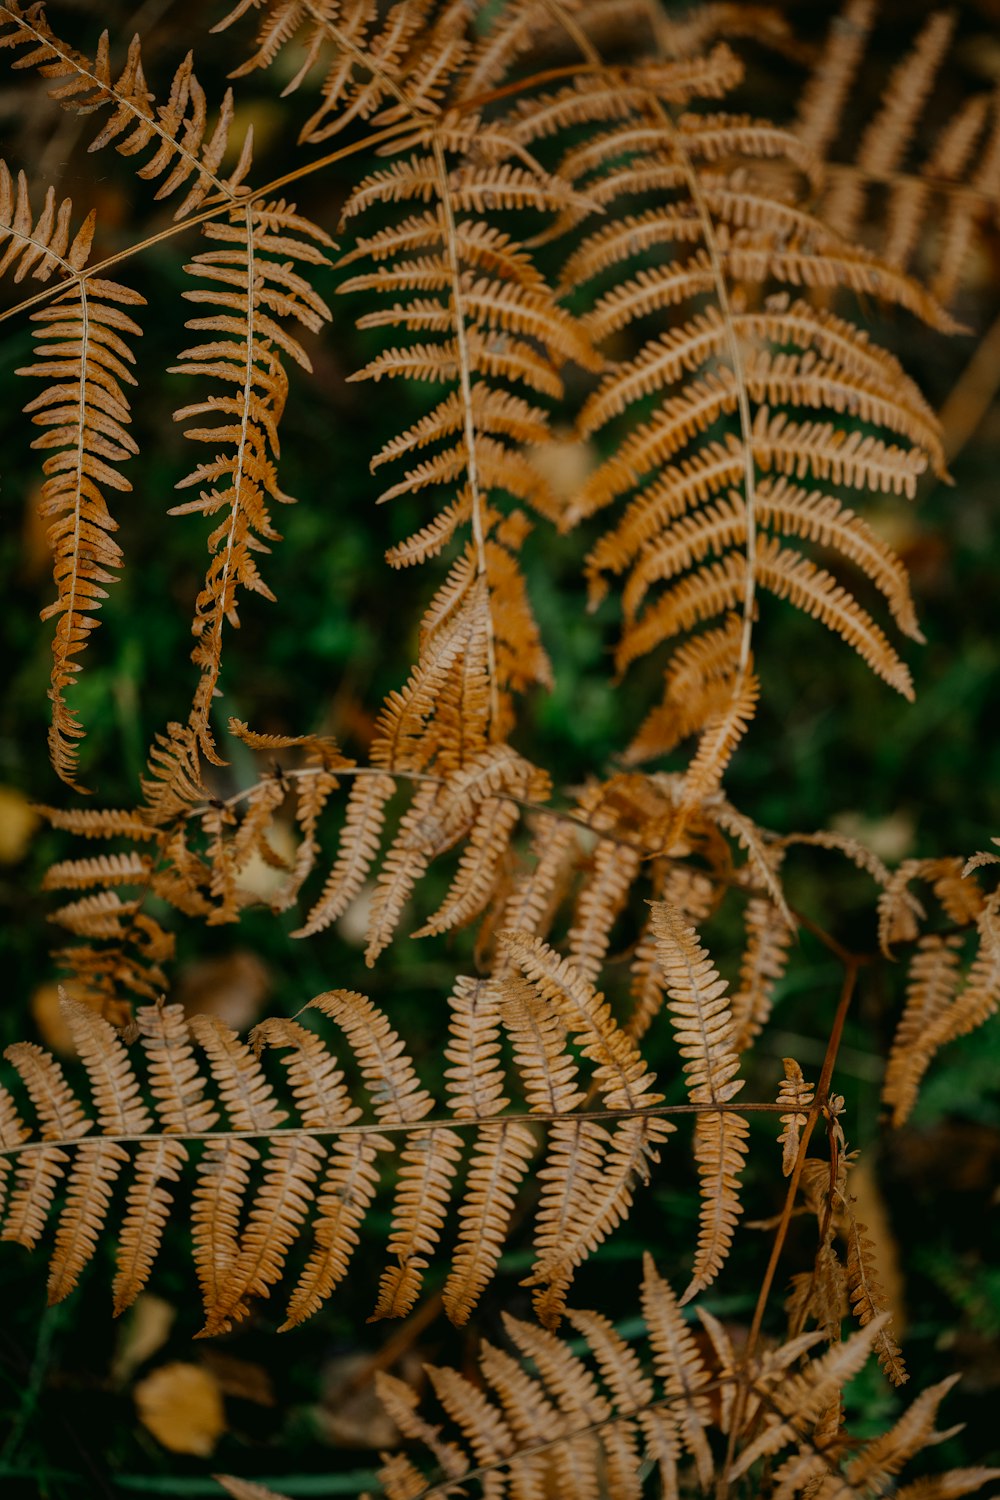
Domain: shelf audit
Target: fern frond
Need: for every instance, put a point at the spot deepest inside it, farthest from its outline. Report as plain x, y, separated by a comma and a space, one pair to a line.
589, 1178
37, 247
255, 294
178, 128
469, 283
882, 1457
867, 1299
316, 1174
931, 209
713, 228
678, 1363
932, 982
765, 958
84, 358
382, 69
613, 872
364, 817
559, 1419
700, 1015
797, 1095
537, 892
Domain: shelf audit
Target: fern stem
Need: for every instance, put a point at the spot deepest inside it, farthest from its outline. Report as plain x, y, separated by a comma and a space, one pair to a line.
201, 723
465, 379
425, 1127
818, 1107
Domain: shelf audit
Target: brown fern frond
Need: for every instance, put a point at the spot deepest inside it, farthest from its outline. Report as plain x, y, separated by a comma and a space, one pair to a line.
253, 295
475, 879
84, 357
38, 1174
105, 869
382, 69
557, 1420
622, 1075
694, 895
364, 817
867, 1299
588, 1181
37, 247
718, 228
314, 1166
979, 997
927, 211
470, 284
817, 592
882, 1457
678, 1363
765, 958
613, 872
536, 893
99, 823
721, 731
900, 912
932, 983
224, 1170
938, 1007
796, 1095
701, 1017
177, 128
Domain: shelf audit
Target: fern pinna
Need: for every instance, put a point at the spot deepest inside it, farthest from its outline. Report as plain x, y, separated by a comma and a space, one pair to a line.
555, 216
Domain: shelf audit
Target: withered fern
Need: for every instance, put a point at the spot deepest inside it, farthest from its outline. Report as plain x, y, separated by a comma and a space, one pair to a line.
558, 215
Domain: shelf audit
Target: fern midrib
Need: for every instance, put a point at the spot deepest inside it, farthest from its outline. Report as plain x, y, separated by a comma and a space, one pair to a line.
238, 476
384, 1127
468, 416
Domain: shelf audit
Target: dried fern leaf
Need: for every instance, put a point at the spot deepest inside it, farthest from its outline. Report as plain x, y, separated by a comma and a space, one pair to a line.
37, 247
419, 836
797, 1095
252, 295
622, 1075
476, 877
496, 1169
83, 355
614, 869
382, 68
364, 818
39, 1172
867, 1299
556, 1420
932, 982
703, 1024
495, 327
712, 231
185, 155
762, 967
980, 995
592, 1171
147, 1211
223, 1173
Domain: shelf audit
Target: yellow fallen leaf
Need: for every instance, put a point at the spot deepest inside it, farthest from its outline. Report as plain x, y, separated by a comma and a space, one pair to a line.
181, 1405
145, 1330
18, 821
